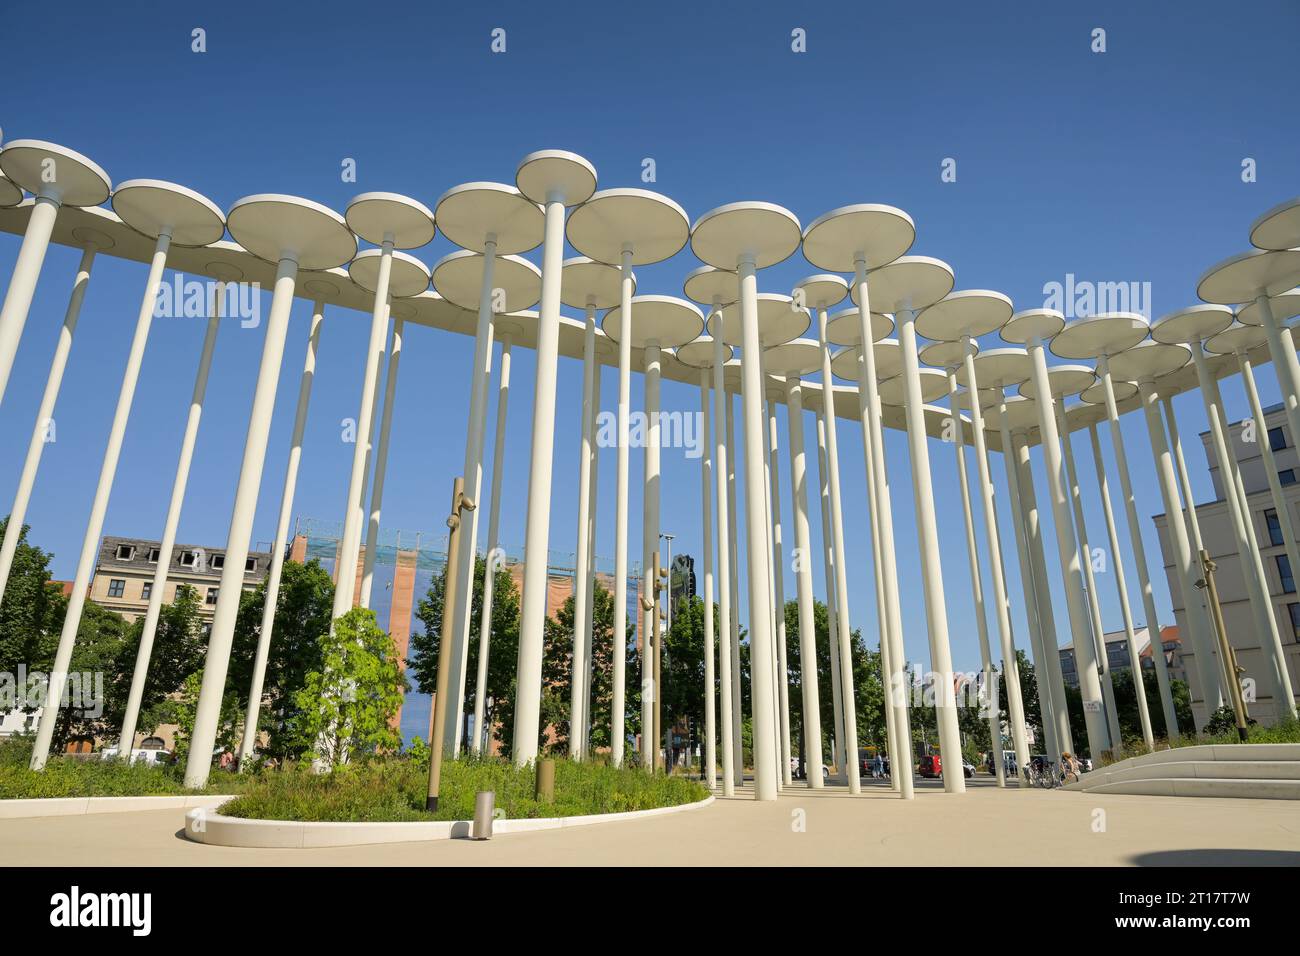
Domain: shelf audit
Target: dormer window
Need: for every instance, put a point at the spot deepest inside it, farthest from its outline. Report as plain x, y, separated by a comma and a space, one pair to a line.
126, 552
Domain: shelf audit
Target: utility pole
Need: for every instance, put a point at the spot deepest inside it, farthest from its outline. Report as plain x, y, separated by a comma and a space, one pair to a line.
1225, 649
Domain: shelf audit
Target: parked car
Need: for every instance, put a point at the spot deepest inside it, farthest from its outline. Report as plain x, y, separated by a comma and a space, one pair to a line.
152, 758
967, 768
930, 766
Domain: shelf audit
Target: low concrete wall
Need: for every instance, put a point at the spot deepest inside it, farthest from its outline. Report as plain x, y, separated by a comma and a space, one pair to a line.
76, 806
202, 825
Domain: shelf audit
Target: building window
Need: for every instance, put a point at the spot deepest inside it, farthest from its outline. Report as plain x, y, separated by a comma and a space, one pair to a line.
217, 562
1276, 438
1286, 476
116, 587
250, 565
154, 554
212, 595
126, 552
187, 559
1274, 527
146, 591
1284, 572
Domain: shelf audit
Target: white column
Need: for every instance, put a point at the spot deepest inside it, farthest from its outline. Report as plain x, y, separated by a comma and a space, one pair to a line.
532, 620
45, 418
1121, 588
733, 547
778, 584
618, 712
90, 542
1068, 555
1285, 362
936, 611
381, 463
650, 548
144, 651
1139, 552
495, 559
589, 562
757, 556
272, 596
729, 704
581, 581
22, 284
811, 715
976, 583
241, 528
706, 523
832, 601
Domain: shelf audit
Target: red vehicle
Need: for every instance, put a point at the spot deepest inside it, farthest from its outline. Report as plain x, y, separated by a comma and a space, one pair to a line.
930, 766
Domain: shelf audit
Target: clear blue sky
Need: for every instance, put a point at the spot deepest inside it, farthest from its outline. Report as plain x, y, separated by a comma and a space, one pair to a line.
1122, 166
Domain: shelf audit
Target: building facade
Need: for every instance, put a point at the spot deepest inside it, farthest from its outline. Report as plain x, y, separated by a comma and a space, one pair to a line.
1117, 654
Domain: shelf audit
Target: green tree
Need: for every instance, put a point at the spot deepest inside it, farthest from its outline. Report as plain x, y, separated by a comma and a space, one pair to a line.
32, 609
182, 710
346, 708
178, 650
1028, 695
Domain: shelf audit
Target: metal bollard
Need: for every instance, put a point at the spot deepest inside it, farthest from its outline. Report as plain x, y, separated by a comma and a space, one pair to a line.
484, 809
545, 791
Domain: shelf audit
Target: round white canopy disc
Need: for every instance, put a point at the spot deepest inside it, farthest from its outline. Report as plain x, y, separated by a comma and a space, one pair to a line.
1193, 324
586, 282
946, 354
1285, 306
989, 398
822, 291
1022, 413
999, 368
556, 171
152, 207
273, 227
1107, 333
724, 236
662, 319
798, 357
46, 169
1095, 394
845, 327
889, 361
1245, 277
472, 213
707, 284
407, 275
879, 234
972, 312
699, 353
779, 321
376, 216
1279, 228
102, 241
910, 282
1237, 338
1063, 380
10, 194
934, 385
1033, 324
224, 271
458, 277
650, 226
1149, 360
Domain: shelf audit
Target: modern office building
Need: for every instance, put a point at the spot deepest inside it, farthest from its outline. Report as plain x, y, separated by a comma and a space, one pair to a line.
1117, 654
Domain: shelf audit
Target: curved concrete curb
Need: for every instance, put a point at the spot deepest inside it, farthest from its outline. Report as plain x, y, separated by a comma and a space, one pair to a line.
76, 806
204, 826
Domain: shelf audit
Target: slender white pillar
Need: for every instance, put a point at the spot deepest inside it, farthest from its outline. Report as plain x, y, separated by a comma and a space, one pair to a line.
495, 559
733, 547
936, 610
1121, 589
706, 521
829, 557
271, 604
811, 707
22, 283
581, 581
618, 729
45, 417
1139, 552
778, 584
1285, 362
381, 462
589, 564
90, 542
649, 549
976, 583
729, 704
140, 674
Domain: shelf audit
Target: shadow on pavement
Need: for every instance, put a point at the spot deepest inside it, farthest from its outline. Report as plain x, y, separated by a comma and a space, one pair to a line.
1218, 857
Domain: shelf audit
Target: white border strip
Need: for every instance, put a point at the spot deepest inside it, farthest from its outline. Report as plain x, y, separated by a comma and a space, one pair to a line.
204, 826
77, 806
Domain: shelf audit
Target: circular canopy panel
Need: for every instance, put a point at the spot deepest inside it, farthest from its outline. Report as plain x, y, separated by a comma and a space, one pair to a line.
10, 194
823, 291
699, 353
458, 277
1063, 380
1107, 333
1237, 338
878, 234
556, 171
999, 368
376, 217
1279, 228
102, 241
1033, 325
845, 327
889, 361
724, 236
798, 357
707, 285
662, 319
1193, 324
407, 275
471, 214
945, 354
934, 385
910, 282
650, 226
1245, 277
1148, 360
1285, 306
152, 207
972, 312
779, 321
273, 227
585, 282
224, 271
45, 169
1095, 394
989, 398
1022, 413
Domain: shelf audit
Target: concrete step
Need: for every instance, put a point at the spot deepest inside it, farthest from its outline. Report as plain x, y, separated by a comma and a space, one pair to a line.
1204, 769
1235, 787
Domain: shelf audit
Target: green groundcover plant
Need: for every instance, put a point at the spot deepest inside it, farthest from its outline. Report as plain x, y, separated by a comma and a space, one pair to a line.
93, 777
